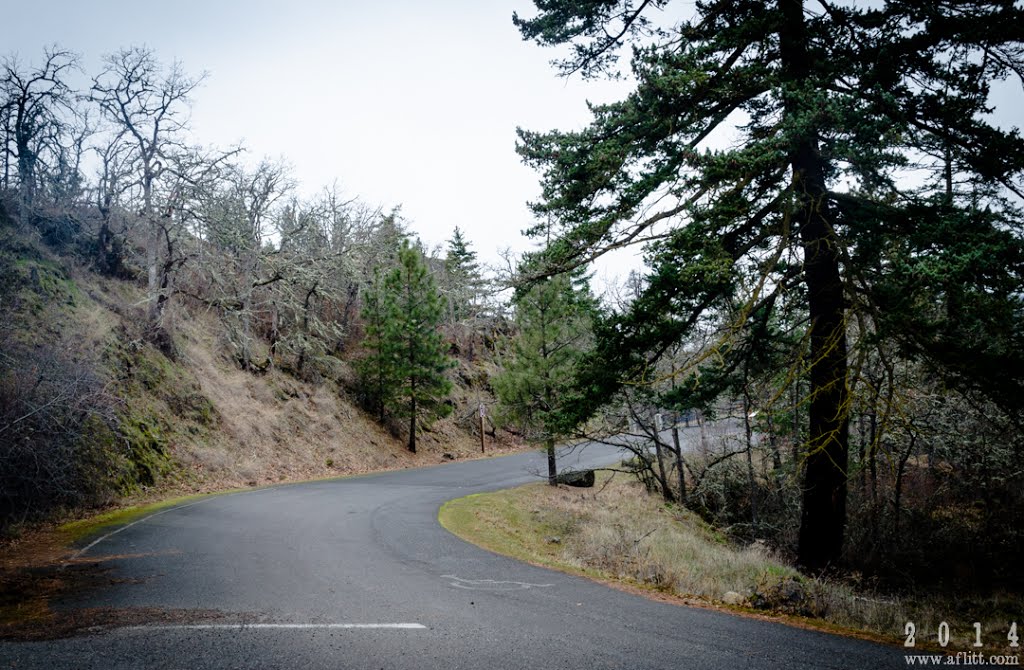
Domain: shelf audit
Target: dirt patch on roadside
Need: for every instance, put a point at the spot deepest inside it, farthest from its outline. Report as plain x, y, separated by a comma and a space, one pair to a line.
30, 609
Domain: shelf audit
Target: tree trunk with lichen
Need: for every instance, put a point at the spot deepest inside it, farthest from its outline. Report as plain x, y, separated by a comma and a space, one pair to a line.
823, 519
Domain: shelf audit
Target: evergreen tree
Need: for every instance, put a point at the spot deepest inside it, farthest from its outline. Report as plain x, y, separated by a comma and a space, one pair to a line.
404, 372
462, 277
377, 369
460, 259
863, 165
553, 320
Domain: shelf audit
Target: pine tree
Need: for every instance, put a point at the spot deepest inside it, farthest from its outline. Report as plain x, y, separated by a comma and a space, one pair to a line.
377, 369
404, 373
862, 166
462, 277
553, 321
460, 259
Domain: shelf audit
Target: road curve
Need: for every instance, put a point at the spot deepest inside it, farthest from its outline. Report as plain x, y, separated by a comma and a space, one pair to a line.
357, 573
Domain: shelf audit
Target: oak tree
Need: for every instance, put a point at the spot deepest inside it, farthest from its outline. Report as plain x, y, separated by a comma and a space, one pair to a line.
148, 104
34, 104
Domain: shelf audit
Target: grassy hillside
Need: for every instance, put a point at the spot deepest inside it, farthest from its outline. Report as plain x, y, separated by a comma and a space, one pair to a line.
94, 414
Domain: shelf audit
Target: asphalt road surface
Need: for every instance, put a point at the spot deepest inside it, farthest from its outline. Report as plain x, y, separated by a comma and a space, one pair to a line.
357, 573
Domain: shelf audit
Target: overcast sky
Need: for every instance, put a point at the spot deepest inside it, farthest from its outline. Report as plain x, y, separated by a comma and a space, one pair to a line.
406, 102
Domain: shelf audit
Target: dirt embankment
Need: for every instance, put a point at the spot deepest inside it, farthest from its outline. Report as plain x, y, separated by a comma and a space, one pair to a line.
274, 428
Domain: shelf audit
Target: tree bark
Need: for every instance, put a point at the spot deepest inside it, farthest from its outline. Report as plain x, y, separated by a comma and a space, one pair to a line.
823, 518
152, 243
679, 463
549, 445
666, 490
749, 438
26, 169
901, 470
412, 417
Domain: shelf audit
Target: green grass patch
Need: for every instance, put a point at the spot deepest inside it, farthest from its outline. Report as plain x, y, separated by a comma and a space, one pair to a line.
616, 533
504, 523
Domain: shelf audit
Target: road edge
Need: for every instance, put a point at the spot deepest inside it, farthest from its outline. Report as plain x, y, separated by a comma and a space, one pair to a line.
446, 520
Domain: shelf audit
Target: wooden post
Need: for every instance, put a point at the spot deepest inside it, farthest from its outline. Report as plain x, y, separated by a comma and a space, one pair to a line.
481, 428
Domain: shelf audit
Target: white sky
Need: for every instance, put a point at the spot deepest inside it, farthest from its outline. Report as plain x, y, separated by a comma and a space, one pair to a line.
405, 102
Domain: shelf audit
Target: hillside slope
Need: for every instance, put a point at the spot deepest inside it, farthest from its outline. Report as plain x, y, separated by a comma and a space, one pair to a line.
92, 413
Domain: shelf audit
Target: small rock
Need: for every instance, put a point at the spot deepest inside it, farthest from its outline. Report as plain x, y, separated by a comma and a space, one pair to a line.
733, 598
792, 592
581, 478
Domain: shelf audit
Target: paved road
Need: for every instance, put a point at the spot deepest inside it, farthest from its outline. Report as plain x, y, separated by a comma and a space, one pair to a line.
311, 564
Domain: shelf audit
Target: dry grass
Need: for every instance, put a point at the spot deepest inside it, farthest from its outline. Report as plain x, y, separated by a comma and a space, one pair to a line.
269, 428
275, 428
620, 533
614, 531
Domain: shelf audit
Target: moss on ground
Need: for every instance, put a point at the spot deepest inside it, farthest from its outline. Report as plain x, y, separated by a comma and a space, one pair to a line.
165, 406
43, 283
75, 532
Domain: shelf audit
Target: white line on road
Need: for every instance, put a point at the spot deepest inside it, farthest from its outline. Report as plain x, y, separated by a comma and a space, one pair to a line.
490, 584
277, 626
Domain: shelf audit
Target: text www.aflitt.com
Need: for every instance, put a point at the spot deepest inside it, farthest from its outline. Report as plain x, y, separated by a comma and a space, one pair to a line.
963, 658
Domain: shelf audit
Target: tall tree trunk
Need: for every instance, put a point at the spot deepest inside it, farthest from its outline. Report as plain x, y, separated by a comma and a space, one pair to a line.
412, 417
748, 434
679, 463
351, 296
549, 446
165, 276
862, 451
26, 174
676, 446
823, 518
773, 443
795, 436
251, 261
872, 453
666, 490
152, 246
5, 151
901, 470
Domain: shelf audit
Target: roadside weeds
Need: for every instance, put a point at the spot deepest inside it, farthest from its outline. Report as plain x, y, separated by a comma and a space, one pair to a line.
622, 537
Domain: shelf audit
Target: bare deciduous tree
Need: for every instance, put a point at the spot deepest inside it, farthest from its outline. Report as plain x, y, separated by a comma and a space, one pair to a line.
35, 100
150, 103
